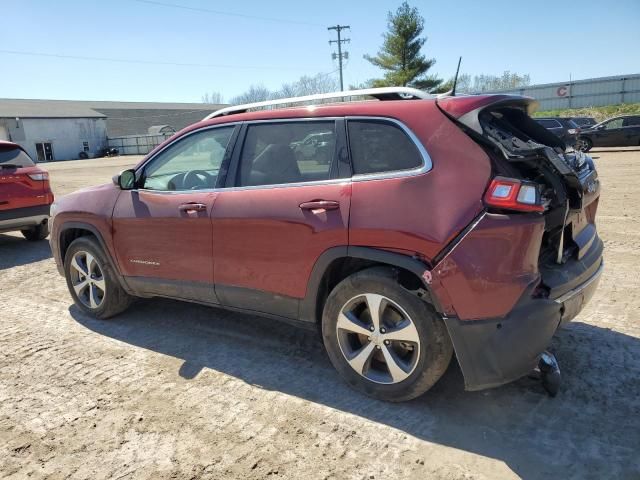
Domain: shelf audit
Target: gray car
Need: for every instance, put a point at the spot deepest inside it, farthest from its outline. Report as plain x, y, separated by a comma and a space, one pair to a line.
622, 131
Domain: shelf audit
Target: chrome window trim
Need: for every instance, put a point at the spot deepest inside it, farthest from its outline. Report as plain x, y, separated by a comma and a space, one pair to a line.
427, 164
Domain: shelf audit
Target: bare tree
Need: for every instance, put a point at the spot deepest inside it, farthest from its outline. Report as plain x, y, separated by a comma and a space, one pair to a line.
487, 83
255, 93
213, 97
320, 83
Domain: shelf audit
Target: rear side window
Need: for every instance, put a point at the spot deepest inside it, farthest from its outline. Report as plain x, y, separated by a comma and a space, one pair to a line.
379, 146
632, 121
549, 123
287, 152
15, 156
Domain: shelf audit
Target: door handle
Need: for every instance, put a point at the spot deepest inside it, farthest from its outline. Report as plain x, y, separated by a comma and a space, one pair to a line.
192, 207
320, 205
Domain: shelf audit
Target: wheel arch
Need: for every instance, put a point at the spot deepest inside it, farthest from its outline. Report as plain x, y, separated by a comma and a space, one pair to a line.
337, 263
69, 231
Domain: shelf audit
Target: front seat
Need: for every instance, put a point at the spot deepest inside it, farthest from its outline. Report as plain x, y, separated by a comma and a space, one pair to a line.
276, 164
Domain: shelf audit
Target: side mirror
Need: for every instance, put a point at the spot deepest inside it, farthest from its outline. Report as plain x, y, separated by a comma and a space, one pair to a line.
127, 179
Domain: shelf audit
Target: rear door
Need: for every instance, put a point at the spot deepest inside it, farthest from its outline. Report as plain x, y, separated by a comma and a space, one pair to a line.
162, 230
21, 182
285, 206
631, 135
611, 135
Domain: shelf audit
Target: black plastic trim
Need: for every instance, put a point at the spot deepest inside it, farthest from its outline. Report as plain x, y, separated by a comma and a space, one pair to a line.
200, 292
497, 351
55, 248
35, 211
308, 305
249, 299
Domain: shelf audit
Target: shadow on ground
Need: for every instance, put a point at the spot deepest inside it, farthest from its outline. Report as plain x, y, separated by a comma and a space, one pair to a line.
591, 430
16, 251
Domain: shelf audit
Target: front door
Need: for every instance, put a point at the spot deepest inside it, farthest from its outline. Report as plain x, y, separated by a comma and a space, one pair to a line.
285, 207
162, 230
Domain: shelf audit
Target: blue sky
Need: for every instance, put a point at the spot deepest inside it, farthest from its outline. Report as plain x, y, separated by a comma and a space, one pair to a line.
550, 40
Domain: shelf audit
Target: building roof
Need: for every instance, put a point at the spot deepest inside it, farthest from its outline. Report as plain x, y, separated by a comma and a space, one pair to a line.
123, 118
12, 108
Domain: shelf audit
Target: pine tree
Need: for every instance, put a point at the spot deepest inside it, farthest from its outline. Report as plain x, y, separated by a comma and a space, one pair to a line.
400, 54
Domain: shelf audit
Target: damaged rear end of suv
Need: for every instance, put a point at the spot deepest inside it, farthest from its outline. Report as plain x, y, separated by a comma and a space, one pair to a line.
532, 259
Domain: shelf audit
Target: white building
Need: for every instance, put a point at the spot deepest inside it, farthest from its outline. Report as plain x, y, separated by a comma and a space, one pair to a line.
68, 129
53, 132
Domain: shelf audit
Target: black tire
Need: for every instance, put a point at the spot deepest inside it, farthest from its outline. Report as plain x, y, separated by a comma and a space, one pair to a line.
36, 234
115, 300
585, 144
435, 348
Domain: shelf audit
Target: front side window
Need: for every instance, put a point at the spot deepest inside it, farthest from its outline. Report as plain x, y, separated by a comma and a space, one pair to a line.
191, 163
287, 152
379, 146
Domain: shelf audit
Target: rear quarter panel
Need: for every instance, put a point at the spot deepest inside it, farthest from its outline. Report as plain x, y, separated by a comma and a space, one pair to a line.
422, 214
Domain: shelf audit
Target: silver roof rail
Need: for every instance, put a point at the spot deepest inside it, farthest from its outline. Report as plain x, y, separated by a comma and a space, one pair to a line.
384, 93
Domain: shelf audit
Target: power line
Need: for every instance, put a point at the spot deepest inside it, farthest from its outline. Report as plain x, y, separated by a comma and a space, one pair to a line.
340, 55
144, 62
230, 14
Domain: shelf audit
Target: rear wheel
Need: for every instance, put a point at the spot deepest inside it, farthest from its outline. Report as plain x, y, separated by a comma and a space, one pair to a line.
92, 281
383, 340
584, 144
36, 233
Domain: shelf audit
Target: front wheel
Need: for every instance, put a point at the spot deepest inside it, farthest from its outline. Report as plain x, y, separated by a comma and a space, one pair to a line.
92, 281
384, 340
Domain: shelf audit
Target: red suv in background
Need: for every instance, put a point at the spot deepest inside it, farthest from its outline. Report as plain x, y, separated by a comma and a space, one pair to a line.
417, 227
25, 194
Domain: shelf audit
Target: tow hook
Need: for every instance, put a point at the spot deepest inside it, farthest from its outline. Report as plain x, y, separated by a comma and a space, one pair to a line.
550, 371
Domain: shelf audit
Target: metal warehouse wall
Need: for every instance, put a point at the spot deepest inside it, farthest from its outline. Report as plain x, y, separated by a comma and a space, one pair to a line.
137, 144
592, 92
65, 135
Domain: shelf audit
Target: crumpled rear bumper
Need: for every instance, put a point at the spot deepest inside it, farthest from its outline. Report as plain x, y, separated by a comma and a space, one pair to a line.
497, 351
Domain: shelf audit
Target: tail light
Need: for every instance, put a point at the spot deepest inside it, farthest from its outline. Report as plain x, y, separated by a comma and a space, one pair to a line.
513, 194
39, 176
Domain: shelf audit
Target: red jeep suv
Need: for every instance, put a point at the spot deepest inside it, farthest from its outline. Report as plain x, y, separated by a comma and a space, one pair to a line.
406, 229
25, 194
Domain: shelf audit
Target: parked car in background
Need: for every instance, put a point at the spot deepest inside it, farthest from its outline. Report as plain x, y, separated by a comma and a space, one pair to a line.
25, 194
623, 131
225, 213
564, 128
583, 122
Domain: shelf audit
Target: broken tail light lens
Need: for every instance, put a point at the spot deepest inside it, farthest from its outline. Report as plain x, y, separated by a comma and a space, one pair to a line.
39, 176
513, 194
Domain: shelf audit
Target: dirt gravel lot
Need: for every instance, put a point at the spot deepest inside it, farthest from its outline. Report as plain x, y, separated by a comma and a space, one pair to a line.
172, 390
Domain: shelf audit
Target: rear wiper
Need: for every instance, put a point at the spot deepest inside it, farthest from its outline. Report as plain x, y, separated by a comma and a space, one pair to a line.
9, 165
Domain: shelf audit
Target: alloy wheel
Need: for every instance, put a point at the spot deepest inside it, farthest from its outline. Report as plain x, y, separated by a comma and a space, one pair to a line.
378, 339
87, 279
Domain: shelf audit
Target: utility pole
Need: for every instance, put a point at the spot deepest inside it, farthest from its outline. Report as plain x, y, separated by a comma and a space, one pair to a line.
340, 55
